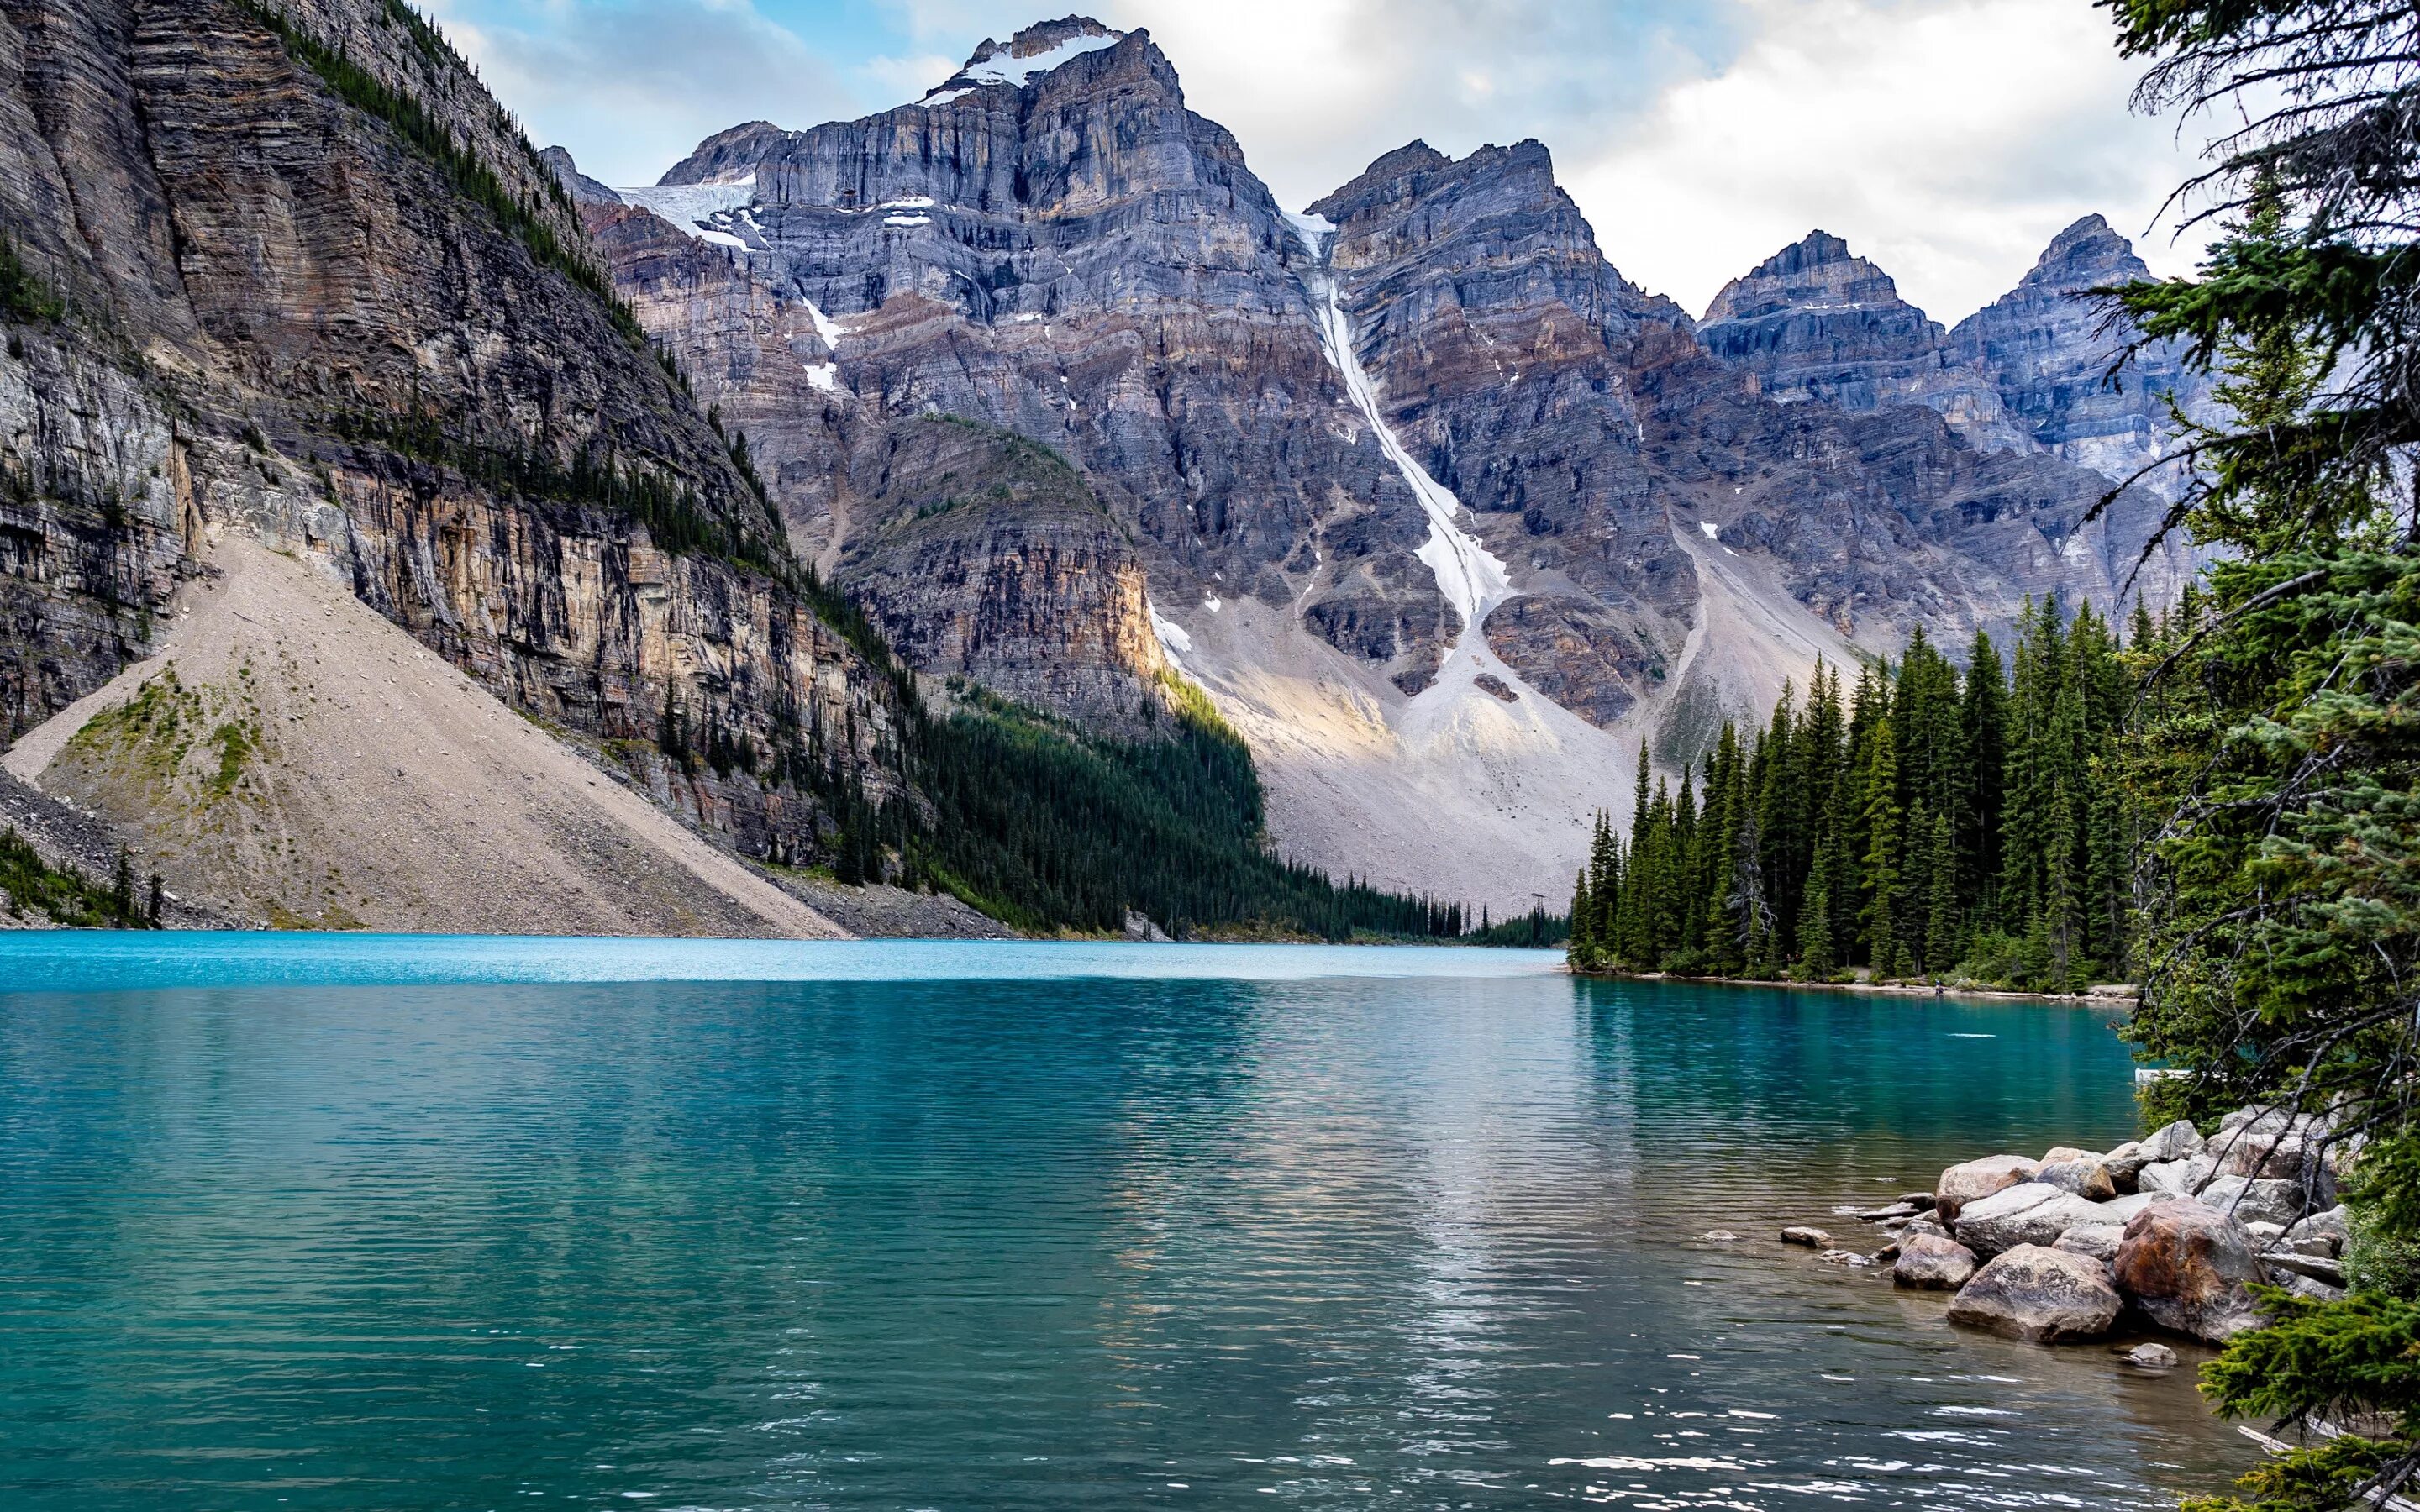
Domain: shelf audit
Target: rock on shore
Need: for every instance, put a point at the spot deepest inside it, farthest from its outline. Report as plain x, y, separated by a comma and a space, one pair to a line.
2173, 1227
2034, 1293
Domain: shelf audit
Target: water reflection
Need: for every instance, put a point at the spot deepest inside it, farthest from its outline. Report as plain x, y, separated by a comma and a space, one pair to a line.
1039, 1243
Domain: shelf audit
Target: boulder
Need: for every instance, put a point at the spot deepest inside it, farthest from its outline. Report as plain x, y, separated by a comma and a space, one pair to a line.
2039, 1293
2311, 1287
2253, 1201
1927, 1227
2322, 1233
1719, 1236
2180, 1140
2084, 1176
2272, 1144
1845, 1257
2318, 1268
2125, 1162
1964, 1183
2096, 1241
1927, 1263
2177, 1177
1810, 1238
2152, 1356
2185, 1264
2063, 1155
2033, 1212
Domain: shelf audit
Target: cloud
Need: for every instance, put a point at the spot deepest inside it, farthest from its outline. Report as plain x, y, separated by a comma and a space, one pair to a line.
1949, 140
632, 85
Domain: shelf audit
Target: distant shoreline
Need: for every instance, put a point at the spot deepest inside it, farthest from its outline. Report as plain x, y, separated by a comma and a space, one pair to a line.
1892, 989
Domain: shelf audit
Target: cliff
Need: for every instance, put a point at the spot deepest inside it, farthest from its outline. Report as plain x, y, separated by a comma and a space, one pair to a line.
300, 280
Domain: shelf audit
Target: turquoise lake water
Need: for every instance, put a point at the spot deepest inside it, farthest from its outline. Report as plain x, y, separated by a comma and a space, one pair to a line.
382, 1223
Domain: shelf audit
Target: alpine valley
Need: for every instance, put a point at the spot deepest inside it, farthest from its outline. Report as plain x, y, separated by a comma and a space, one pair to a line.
401, 528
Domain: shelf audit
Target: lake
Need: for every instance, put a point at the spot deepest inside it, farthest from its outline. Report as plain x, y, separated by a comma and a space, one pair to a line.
374, 1222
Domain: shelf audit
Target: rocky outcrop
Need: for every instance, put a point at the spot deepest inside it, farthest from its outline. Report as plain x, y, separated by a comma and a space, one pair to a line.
357, 321
1500, 339
1814, 321
2049, 346
2048, 1296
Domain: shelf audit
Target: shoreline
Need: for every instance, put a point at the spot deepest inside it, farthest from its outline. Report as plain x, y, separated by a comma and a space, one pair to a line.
1888, 989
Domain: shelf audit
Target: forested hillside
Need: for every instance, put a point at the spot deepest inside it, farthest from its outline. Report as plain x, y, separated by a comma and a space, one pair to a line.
1922, 823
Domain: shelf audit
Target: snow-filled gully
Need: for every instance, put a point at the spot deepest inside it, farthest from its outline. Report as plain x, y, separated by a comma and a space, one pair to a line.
1472, 578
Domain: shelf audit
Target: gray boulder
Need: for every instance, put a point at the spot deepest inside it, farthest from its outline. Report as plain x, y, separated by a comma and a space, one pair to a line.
2256, 1201
2151, 1356
2311, 1287
2186, 1265
2034, 1292
1806, 1237
2322, 1233
2177, 1177
2086, 1177
2180, 1140
2272, 1144
2033, 1212
1927, 1263
2097, 1241
1926, 1227
2125, 1162
1964, 1183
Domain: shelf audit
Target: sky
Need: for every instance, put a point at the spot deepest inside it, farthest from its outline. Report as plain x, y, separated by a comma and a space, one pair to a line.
1948, 140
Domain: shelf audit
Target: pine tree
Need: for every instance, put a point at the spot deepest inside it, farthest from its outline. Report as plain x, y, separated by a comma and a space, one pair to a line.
1885, 948
1941, 931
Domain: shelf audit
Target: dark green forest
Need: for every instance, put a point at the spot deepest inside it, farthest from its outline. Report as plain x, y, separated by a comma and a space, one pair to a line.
1923, 822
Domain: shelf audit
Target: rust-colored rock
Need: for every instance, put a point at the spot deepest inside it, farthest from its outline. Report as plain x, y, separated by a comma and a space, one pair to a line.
2185, 1264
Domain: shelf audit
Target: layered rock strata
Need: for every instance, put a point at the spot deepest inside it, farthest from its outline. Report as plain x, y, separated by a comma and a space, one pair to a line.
305, 281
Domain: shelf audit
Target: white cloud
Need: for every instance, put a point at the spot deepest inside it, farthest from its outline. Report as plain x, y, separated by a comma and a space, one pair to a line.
1948, 140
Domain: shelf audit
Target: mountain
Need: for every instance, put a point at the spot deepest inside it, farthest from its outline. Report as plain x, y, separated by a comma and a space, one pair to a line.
1446, 514
2042, 368
1815, 322
287, 277
2049, 348
404, 529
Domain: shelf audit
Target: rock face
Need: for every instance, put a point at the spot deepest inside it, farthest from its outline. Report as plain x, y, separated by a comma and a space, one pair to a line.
2043, 346
982, 554
291, 321
2186, 1264
1501, 340
2048, 1296
1061, 250
1814, 321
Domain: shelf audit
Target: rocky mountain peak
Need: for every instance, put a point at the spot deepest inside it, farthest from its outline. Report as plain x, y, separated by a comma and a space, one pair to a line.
582, 188
2087, 254
1038, 50
1818, 272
